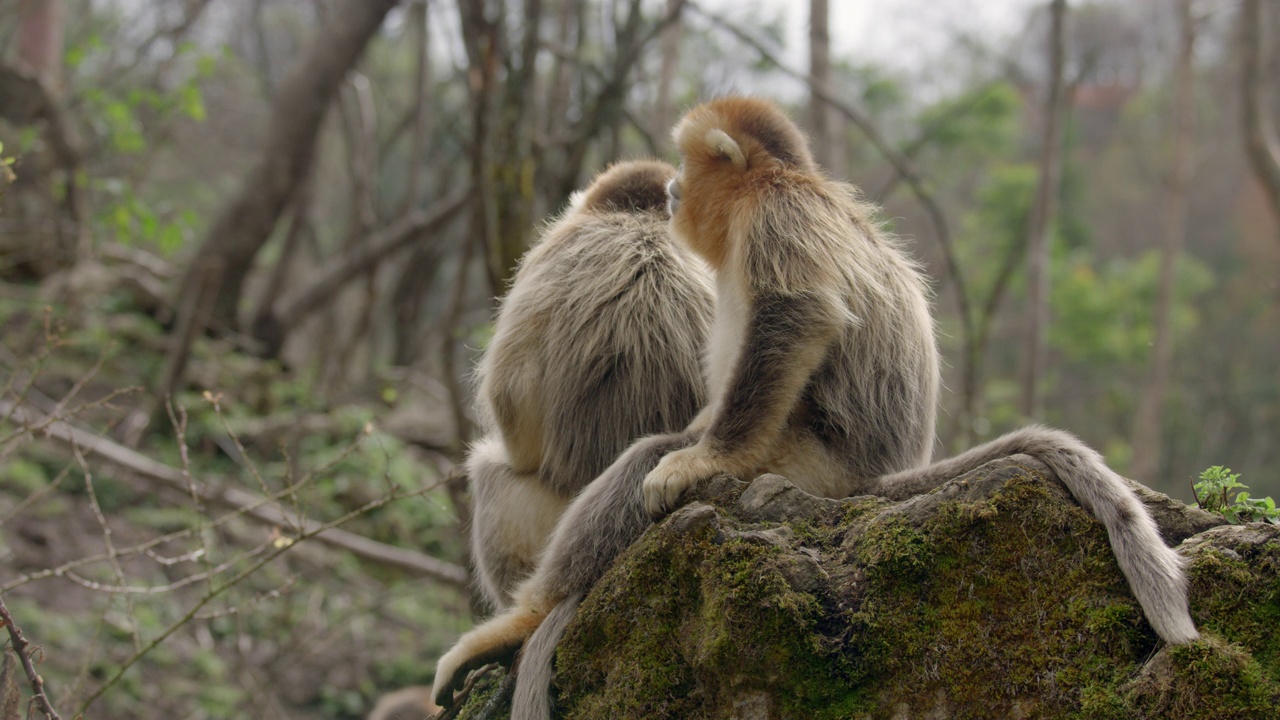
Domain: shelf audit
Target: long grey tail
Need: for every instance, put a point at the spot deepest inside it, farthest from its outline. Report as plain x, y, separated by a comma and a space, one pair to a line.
1153, 570
532, 698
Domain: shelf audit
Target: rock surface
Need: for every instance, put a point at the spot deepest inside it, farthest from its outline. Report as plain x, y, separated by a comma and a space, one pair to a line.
995, 596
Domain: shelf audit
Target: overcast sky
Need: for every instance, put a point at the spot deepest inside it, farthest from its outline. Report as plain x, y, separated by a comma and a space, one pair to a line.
901, 33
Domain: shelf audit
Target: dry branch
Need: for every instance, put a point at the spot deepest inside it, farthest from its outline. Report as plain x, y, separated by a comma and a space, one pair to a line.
251, 504
245, 223
23, 648
363, 256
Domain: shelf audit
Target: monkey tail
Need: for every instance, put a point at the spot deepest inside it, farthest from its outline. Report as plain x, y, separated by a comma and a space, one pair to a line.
1154, 571
532, 699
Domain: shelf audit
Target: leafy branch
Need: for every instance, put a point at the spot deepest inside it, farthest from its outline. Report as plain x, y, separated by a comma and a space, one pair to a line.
1220, 491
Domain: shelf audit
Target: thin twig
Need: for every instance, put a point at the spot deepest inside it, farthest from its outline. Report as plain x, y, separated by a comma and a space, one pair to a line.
112, 557
211, 573
266, 510
279, 549
178, 420
36, 496
22, 647
270, 595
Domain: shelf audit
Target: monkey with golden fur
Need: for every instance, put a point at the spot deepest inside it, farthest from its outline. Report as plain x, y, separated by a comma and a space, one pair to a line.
597, 343
822, 367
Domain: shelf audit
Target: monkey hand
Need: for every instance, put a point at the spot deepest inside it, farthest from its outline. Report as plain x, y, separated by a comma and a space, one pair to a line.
453, 668
675, 473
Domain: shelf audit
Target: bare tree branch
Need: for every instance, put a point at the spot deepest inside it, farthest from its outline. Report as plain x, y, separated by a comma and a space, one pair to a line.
252, 505
317, 530
362, 257
301, 102
420, 112
603, 109
24, 650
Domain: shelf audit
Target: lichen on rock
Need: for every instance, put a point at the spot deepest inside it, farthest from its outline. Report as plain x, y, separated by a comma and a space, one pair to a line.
994, 596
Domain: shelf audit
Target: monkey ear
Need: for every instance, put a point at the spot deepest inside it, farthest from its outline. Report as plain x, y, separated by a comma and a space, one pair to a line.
726, 147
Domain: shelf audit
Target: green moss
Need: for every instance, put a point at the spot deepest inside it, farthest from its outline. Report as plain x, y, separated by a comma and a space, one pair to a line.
1005, 602
1208, 679
488, 690
727, 618
1236, 593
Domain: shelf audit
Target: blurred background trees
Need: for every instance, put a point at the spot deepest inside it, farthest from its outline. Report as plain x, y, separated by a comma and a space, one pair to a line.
238, 236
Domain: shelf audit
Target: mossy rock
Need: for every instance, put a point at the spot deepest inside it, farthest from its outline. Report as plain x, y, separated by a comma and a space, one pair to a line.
996, 596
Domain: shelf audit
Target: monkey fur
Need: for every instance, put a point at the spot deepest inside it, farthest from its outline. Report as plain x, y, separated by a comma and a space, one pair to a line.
822, 367
404, 704
598, 343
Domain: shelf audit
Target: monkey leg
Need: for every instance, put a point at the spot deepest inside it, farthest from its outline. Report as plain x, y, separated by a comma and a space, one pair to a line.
513, 514
605, 518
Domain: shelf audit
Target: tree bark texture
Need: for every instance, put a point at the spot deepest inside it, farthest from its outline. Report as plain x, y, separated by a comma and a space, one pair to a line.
40, 39
822, 119
664, 108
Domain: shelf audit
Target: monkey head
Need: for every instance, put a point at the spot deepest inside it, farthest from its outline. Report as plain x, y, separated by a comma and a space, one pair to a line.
632, 186
732, 149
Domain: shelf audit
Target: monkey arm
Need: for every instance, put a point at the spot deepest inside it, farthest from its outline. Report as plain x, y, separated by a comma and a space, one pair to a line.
785, 342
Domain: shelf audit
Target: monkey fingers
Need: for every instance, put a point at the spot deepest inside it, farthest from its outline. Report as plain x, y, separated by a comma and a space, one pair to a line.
676, 472
495, 641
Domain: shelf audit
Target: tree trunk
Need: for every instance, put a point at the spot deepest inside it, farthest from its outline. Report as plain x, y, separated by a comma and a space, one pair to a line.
246, 222
40, 40
422, 115
664, 109
1147, 437
1261, 145
1040, 222
821, 118
46, 238
414, 280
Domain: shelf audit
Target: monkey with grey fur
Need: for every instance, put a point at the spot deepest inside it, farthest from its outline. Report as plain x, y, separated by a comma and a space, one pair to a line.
821, 367
597, 343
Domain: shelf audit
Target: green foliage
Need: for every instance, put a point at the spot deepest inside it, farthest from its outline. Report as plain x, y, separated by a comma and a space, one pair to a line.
997, 225
1219, 490
878, 90
981, 121
134, 221
125, 118
6, 169
1104, 312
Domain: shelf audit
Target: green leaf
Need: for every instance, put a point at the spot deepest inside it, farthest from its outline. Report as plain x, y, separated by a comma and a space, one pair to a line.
205, 65
191, 102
